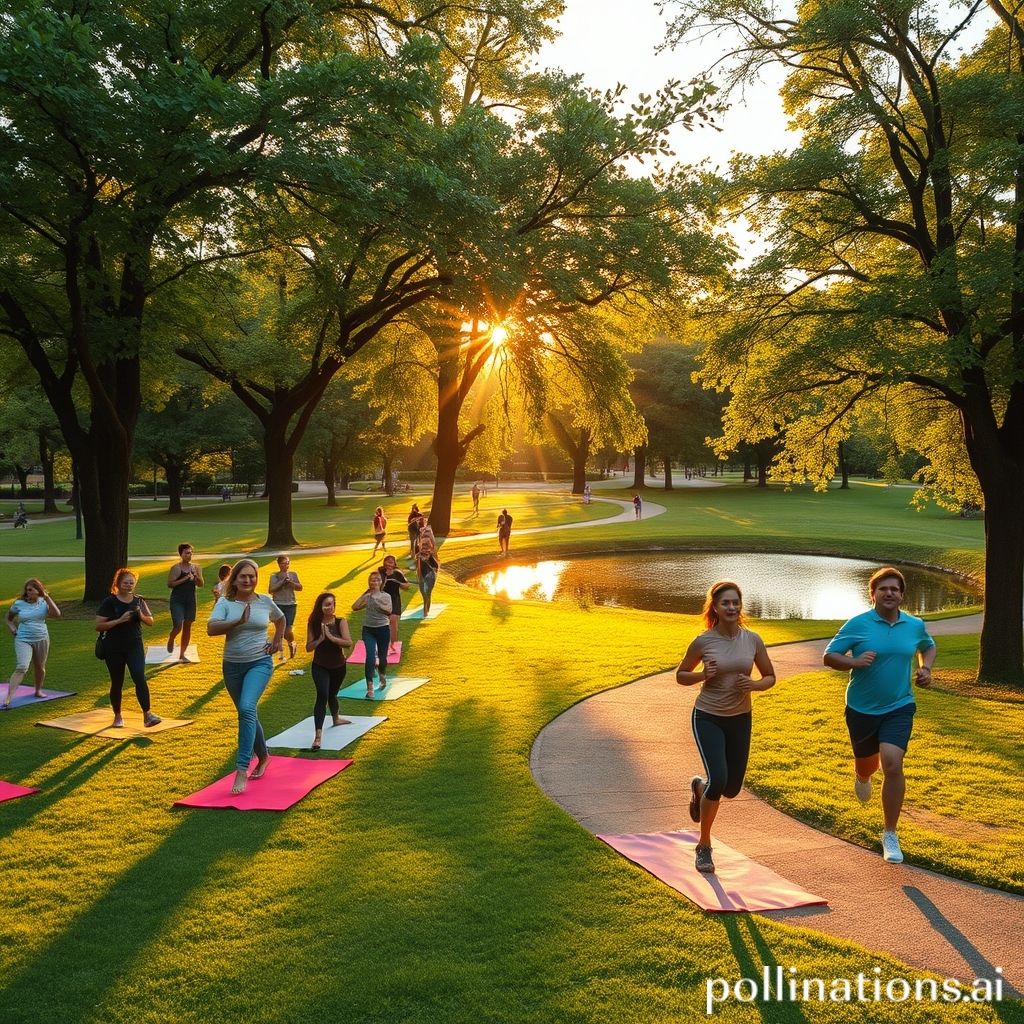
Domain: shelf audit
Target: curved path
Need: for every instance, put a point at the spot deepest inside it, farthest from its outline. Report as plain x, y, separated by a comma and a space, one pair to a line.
624, 515
617, 770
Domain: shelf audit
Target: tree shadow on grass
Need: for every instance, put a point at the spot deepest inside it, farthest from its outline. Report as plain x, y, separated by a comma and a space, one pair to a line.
73, 974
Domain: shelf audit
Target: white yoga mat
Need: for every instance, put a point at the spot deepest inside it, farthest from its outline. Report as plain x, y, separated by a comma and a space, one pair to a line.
159, 656
417, 612
397, 687
335, 737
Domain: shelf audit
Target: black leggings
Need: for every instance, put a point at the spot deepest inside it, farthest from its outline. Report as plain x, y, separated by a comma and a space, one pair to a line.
723, 742
327, 682
135, 661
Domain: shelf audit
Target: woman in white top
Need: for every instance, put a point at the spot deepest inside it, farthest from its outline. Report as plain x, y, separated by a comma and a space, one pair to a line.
376, 630
31, 637
242, 616
721, 715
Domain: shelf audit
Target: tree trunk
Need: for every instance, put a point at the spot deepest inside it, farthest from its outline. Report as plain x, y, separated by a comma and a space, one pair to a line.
1001, 651
22, 474
748, 469
844, 469
46, 461
175, 474
330, 473
668, 472
449, 456
386, 478
639, 467
280, 460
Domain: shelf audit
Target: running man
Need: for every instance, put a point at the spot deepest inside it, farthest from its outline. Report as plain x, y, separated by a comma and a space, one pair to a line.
879, 648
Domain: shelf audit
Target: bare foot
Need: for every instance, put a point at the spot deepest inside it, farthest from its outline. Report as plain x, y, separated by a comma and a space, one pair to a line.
342, 721
316, 741
239, 784
39, 693
369, 692
170, 645
261, 767
391, 649
118, 722
383, 682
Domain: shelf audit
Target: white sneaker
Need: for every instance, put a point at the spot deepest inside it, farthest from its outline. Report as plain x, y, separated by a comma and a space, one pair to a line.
891, 852
862, 789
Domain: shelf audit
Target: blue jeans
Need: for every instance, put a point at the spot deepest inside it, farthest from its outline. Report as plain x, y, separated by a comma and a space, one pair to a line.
426, 584
245, 682
376, 640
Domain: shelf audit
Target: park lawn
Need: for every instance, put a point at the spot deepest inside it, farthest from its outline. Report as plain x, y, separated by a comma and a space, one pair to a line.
964, 810
240, 526
431, 881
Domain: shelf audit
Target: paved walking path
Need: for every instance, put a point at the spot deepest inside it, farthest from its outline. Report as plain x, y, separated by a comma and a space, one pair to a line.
625, 514
621, 761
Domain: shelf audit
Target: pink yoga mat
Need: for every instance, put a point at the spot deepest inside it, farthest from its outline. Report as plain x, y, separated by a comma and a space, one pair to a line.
27, 695
287, 781
738, 884
359, 653
8, 791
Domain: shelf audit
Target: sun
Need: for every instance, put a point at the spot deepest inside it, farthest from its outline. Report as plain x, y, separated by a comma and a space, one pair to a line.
499, 336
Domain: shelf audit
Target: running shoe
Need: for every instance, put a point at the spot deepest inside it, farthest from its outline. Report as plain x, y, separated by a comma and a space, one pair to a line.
695, 795
704, 864
891, 852
862, 789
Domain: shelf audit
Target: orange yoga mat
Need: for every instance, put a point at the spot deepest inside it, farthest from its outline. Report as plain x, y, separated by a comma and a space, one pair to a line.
739, 883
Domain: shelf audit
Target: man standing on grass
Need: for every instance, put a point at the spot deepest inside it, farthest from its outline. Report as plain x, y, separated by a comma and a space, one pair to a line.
879, 648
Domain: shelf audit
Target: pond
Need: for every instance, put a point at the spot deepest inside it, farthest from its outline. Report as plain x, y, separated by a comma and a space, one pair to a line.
774, 586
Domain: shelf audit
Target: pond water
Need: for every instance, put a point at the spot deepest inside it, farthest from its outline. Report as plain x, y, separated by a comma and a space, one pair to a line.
774, 586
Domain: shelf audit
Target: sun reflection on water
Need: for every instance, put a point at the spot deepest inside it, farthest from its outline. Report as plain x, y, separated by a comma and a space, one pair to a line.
516, 582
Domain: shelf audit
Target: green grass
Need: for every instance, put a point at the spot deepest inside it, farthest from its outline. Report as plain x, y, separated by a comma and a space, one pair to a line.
431, 881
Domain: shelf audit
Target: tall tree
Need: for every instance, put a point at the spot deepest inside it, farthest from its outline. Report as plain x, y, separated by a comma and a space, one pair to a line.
894, 255
130, 135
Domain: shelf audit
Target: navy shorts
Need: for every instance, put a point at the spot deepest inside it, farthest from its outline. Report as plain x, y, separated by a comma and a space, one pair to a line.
289, 611
183, 610
868, 731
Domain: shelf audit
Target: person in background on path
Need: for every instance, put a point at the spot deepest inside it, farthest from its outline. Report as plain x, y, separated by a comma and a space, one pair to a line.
394, 582
283, 586
587, 494
380, 528
504, 531
242, 617
721, 714
119, 618
415, 525
328, 638
638, 506
376, 629
222, 578
183, 579
31, 637
475, 493
427, 565
879, 649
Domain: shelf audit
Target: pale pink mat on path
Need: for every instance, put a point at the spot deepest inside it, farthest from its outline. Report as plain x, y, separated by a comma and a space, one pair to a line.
359, 653
738, 884
9, 791
287, 781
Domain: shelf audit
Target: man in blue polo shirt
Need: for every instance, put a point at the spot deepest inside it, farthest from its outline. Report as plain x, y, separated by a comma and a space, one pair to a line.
880, 648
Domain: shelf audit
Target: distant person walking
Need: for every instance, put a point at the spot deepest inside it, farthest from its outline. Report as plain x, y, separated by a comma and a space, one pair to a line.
427, 566
638, 506
284, 585
415, 525
394, 582
504, 531
380, 528
475, 493
879, 648
119, 618
242, 617
376, 630
27, 622
328, 638
183, 579
721, 715
587, 494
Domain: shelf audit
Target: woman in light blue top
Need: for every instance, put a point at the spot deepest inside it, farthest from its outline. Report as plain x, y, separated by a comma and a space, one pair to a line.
242, 617
31, 637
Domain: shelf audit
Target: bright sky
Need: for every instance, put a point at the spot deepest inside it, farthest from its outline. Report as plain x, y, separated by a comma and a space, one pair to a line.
609, 41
